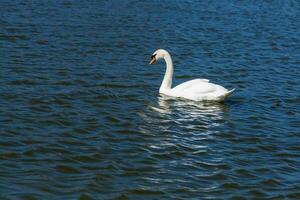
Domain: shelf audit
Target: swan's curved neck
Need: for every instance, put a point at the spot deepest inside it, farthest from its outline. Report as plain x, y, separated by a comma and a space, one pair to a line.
167, 81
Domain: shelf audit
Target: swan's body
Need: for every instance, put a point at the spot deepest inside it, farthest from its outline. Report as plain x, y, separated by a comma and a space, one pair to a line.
197, 89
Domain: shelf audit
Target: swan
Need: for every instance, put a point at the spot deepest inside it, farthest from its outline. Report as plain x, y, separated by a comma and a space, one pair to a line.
196, 90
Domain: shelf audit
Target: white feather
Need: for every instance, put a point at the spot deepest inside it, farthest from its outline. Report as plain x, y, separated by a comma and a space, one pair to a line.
197, 89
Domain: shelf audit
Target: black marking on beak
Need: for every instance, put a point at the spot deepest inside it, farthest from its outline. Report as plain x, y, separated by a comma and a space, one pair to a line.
153, 59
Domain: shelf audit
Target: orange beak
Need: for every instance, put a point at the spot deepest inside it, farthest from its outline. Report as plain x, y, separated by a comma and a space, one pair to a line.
152, 60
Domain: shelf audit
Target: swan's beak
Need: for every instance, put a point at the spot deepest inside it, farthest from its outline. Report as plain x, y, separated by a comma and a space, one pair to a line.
152, 60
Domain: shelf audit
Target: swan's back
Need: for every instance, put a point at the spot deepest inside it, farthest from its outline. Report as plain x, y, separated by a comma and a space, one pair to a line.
199, 90
189, 84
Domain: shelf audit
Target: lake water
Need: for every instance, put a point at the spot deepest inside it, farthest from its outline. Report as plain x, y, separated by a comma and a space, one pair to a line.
81, 117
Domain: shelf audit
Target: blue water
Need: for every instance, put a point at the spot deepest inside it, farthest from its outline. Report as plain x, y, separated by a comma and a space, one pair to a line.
81, 117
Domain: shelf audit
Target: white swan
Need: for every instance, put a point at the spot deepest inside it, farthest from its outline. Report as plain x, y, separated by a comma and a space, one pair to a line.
197, 89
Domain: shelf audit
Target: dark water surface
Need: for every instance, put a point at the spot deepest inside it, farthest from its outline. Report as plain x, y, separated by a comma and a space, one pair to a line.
81, 117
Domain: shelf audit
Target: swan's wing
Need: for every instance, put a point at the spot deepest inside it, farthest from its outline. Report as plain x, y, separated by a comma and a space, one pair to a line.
198, 89
189, 84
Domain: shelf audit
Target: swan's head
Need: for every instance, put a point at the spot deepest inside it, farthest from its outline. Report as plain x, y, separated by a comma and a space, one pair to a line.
158, 54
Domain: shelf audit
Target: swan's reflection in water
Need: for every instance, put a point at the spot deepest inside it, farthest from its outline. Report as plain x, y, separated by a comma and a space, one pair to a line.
183, 122
190, 114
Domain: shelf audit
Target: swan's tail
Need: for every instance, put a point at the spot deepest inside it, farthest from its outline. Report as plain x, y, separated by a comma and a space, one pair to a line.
225, 95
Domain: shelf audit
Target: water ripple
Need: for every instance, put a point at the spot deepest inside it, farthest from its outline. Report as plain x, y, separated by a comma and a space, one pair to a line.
81, 117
